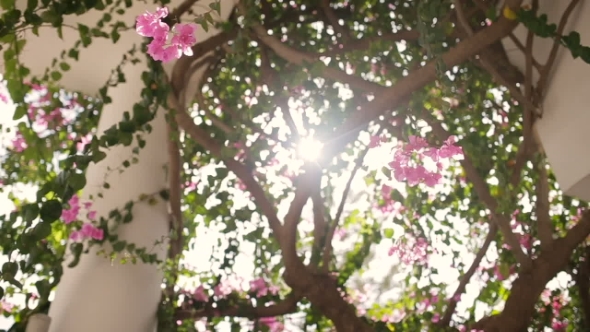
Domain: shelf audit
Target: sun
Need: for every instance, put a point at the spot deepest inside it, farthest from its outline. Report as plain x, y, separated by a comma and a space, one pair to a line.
309, 149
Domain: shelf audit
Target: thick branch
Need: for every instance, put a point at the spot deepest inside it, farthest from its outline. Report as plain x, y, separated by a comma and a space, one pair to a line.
333, 20
394, 96
487, 63
286, 306
582, 278
526, 289
304, 188
301, 58
174, 172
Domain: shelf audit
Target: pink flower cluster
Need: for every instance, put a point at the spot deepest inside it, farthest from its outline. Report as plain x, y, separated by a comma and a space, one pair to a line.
389, 205
261, 288
406, 169
19, 144
273, 324
161, 49
411, 251
44, 115
88, 230
556, 303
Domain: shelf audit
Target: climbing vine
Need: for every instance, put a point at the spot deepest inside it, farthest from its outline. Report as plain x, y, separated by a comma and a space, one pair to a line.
409, 174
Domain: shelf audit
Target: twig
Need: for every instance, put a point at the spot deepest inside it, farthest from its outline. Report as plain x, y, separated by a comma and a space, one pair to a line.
319, 219
521, 47
240, 170
483, 192
336, 221
300, 58
544, 225
487, 64
544, 75
333, 20
448, 314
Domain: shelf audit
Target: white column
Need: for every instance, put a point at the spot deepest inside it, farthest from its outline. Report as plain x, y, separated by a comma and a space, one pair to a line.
563, 128
99, 295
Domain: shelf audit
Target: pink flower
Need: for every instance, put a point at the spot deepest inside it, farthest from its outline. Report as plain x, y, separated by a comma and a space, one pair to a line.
70, 215
148, 24
559, 325
18, 143
411, 251
85, 140
273, 324
200, 294
88, 231
184, 37
259, 287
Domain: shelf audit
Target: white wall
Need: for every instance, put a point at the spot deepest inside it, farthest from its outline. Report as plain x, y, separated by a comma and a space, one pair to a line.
566, 105
100, 295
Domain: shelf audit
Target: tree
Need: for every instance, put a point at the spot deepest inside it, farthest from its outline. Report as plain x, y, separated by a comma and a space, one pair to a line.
317, 133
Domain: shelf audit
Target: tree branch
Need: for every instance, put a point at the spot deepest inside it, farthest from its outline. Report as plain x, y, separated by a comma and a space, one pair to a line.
200, 136
486, 62
174, 173
526, 289
320, 226
483, 192
394, 96
327, 253
448, 314
301, 58
333, 20
304, 187
286, 306
544, 75
582, 278
544, 225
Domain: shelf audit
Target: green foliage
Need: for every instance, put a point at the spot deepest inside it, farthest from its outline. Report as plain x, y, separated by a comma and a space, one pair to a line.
452, 218
539, 26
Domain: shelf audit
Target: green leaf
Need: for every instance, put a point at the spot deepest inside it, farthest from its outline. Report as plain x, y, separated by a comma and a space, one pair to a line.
77, 181
76, 249
388, 233
42, 230
51, 210
7, 4
84, 32
215, 5
30, 212
55, 75
9, 270
64, 66
119, 246
43, 288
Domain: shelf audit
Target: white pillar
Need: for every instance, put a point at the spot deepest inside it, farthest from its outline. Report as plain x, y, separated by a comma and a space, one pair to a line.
99, 295
563, 128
